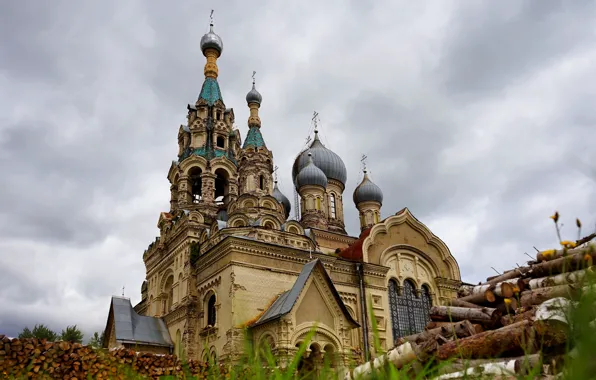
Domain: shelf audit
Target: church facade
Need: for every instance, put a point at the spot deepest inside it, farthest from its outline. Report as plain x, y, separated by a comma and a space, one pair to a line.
230, 264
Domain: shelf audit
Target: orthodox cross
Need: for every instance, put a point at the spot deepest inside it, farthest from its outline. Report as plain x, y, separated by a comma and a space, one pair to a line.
315, 119
211, 17
123, 291
363, 161
275, 172
253, 77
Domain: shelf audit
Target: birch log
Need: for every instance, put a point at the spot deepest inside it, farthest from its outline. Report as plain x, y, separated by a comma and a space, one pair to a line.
485, 316
460, 303
531, 298
559, 279
458, 329
488, 344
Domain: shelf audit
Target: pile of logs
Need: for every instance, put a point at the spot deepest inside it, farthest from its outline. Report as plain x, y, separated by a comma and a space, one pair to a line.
513, 323
39, 359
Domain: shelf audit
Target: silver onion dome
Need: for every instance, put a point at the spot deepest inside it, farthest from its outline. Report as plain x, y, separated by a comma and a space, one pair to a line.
367, 191
254, 96
211, 40
329, 162
311, 175
281, 198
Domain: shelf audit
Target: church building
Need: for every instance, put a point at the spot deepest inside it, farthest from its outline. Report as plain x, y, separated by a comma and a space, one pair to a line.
231, 263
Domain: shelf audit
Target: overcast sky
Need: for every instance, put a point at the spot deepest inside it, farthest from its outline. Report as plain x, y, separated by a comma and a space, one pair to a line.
477, 116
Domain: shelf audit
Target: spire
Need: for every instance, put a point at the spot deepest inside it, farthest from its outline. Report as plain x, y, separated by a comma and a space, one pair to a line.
212, 47
253, 99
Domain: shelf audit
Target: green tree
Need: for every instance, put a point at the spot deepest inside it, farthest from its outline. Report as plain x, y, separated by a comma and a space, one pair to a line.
72, 334
39, 332
96, 340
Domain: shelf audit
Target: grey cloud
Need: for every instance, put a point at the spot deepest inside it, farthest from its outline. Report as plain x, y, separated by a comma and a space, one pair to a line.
92, 96
493, 44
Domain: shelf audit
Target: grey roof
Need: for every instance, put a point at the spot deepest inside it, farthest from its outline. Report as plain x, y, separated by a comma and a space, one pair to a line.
367, 191
211, 40
329, 162
310, 175
254, 96
286, 301
281, 198
131, 327
222, 215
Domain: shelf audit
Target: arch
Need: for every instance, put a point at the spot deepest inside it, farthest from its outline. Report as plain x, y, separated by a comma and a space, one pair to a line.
222, 187
262, 182
294, 227
405, 217
210, 309
195, 183
249, 203
193, 161
238, 220
196, 216
269, 205
178, 345
168, 290
270, 223
322, 332
220, 142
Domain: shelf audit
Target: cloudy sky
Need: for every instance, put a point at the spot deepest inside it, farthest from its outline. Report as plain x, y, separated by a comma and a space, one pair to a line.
478, 116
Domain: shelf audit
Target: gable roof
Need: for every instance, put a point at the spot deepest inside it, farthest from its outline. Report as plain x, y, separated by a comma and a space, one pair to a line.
131, 327
286, 301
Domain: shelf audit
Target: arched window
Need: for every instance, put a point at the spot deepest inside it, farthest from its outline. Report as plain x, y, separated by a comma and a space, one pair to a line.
376, 217
178, 344
169, 291
318, 203
427, 300
269, 225
221, 142
262, 182
221, 186
211, 311
409, 313
332, 203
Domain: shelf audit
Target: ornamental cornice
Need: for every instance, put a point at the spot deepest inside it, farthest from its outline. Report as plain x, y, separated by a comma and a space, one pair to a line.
175, 315
334, 236
208, 284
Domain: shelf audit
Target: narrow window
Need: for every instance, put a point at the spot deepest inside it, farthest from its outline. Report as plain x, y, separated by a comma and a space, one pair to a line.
211, 311
318, 203
332, 202
376, 217
262, 182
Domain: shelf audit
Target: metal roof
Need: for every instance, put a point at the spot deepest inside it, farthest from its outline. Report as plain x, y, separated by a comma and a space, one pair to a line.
286, 301
132, 327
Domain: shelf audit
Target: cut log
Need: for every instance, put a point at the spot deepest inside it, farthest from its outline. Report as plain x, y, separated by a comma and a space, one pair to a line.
489, 344
484, 316
507, 306
518, 365
553, 254
530, 298
458, 302
482, 299
510, 319
514, 273
560, 279
502, 289
561, 265
450, 330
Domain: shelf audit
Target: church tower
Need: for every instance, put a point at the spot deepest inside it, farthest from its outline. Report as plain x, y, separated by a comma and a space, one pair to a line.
205, 177
368, 199
256, 161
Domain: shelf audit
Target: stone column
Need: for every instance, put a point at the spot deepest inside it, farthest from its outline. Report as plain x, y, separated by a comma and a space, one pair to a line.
184, 191
232, 189
208, 187
173, 197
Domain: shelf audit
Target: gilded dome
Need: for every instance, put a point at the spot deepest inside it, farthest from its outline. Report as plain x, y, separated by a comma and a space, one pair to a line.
254, 96
310, 175
330, 163
211, 40
281, 198
367, 191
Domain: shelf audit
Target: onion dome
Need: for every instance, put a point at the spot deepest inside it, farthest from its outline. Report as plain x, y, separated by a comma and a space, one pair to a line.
330, 163
367, 191
311, 175
254, 96
281, 198
211, 40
